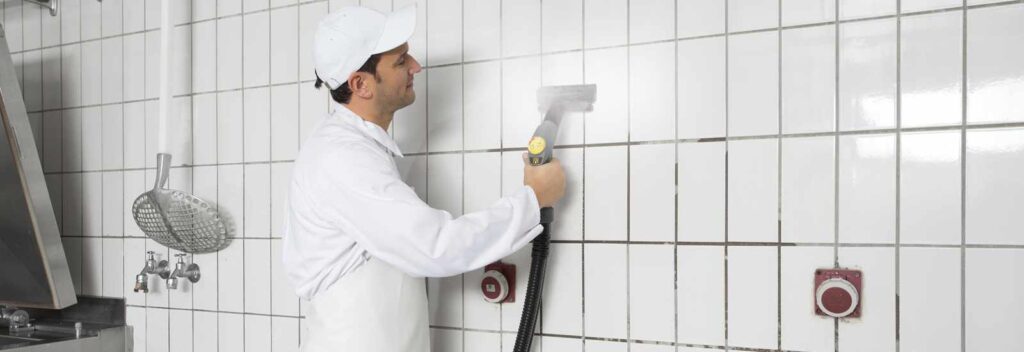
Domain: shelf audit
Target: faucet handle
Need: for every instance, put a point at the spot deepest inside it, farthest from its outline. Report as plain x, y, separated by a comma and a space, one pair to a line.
181, 257
149, 255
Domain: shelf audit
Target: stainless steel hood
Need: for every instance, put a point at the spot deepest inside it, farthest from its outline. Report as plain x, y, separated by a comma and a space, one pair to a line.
33, 269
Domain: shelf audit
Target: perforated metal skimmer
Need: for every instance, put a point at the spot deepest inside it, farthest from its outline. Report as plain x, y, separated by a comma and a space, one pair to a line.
177, 219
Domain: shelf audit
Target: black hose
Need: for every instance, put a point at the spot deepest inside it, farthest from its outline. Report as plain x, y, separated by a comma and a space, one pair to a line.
535, 284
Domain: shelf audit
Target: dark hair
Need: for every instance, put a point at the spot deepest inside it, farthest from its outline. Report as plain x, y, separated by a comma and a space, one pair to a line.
343, 94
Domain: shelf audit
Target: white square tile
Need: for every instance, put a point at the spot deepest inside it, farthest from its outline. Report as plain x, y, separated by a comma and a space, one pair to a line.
231, 273
444, 109
990, 318
519, 116
755, 14
153, 57
478, 313
205, 292
92, 18
444, 182
254, 5
31, 18
204, 58
481, 21
204, 129
283, 298
867, 188
650, 347
158, 330
565, 69
563, 307
32, 80
652, 192
52, 141
808, 79
652, 92
228, 7
205, 331
92, 204
257, 282
133, 261
561, 25
280, 180
112, 20
51, 84
482, 341
313, 104
606, 190
284, 127
444, 32
445, 301
285, 334
555, 343
482, 104
136, 319
930, 188
808, 189
92, 77
797, 12
134, 69
72, 139
284, 49
701, 295
230, 332
133, 16
701, 95
229, 127
520, 27
930, 299
483, 177
875, 330
113, 195
979, 2
410, 124
256, 49
754, 84
608, 122
699, 17
652, 290
753, 296
994, 71
256, 124
112, 135
134, 186
605, 23
309, 16
113, 267
71, 217
92, 266
605, 346
181, 328
753, 190
803, 330
604, 287
229, 53
701, 169
925, 5
71, 75
993, 172
70, 21
257, 200
651, 20
865, 8
931, 60
867, 61
446, 340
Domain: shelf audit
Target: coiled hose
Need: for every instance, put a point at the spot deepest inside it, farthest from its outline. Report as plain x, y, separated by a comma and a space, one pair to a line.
535, 284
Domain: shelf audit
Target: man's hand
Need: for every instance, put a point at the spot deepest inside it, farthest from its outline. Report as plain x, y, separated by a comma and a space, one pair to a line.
547, 181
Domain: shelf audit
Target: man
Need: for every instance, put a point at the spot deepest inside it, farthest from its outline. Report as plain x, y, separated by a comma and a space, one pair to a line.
358, 240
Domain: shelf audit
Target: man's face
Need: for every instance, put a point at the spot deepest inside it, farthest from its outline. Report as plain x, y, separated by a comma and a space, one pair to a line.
395, 71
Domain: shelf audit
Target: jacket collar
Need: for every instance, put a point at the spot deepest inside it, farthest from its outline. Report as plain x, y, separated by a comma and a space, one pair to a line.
368, 128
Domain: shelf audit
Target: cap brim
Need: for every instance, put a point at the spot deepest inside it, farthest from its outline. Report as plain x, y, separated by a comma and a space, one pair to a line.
397, 29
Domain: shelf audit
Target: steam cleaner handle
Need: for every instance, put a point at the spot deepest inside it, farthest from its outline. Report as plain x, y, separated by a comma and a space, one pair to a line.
542, 144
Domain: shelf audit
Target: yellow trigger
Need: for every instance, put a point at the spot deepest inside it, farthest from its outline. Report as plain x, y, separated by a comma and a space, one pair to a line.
536, 145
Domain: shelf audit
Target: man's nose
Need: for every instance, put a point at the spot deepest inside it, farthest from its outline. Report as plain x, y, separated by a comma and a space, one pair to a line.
416, 68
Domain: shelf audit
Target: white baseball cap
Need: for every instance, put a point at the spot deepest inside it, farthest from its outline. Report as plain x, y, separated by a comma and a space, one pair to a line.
347, 38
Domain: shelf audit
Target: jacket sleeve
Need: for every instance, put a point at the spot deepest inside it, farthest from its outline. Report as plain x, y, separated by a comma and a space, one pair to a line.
366, 197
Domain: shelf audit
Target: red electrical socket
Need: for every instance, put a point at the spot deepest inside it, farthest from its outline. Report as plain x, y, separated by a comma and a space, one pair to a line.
499, 283
837, 293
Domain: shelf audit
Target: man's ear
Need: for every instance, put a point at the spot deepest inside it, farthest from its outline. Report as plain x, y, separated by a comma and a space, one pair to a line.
361, 85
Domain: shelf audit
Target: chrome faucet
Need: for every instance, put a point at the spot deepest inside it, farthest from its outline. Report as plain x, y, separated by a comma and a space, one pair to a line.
151, 267
191, 272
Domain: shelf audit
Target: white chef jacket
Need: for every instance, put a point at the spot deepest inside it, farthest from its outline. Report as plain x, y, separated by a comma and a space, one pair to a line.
347, 203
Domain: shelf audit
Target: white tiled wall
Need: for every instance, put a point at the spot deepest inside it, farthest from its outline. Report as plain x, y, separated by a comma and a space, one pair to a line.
735, 147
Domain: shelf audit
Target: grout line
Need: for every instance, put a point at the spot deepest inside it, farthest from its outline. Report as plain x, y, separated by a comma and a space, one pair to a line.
898, 160
963, 178
725, 247
778, 186
675, 181
629, 138
835, 162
